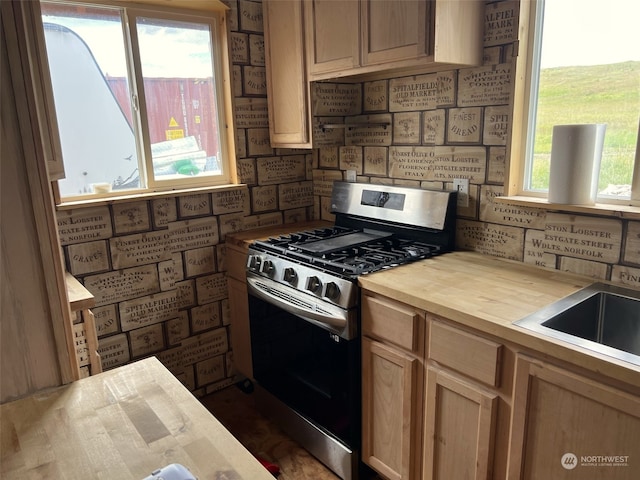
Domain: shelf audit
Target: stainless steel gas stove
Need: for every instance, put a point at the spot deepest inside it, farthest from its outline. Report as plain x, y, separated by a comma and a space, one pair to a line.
304, 307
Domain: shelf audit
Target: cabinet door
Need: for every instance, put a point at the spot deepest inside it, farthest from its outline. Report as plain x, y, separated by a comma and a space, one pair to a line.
565, 426
333, 35
391, 406
287, 86
458, 29
240, 331
459, 428
394, 30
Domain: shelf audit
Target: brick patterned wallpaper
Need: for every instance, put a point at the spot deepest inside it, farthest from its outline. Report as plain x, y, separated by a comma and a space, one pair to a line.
157, 266
427, 130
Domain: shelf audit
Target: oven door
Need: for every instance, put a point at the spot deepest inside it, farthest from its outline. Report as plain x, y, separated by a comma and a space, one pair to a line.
311, 369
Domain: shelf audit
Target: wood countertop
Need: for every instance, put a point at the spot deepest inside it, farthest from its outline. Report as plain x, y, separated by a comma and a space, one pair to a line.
79, 297
124, 424
488, 294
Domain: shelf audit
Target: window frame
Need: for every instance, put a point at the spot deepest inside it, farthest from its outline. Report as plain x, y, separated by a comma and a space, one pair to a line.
216, 16
525, 85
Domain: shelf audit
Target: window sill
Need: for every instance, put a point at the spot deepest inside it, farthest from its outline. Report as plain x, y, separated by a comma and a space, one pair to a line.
602, 209
131, 197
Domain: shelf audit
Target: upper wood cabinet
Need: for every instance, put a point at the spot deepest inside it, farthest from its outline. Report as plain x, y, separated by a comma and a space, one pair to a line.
310, 40
287, 86
333, 35
368, 36
395, 30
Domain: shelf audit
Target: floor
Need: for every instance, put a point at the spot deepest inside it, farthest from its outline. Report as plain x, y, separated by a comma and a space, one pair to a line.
262, 438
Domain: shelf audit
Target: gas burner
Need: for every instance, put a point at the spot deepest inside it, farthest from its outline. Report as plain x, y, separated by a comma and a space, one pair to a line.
292, 241
349, 251
348, 267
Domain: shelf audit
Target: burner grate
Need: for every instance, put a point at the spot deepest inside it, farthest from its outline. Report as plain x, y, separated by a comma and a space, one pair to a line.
347, 251
373, 257
291, 240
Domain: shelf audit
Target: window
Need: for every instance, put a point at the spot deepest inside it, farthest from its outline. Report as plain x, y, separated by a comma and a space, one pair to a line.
139, 98
583, 68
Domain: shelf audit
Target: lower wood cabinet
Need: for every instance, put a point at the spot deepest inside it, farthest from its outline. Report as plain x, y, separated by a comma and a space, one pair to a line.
459, 432
566, 426
392, 387
391, 410
240, 330
444, 401
239, 309
463, 400
85, 334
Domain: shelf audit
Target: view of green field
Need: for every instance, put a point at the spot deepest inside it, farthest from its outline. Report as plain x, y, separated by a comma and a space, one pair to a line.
592, 94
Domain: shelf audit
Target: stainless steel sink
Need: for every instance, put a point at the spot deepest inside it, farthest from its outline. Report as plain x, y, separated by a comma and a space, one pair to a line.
603, 318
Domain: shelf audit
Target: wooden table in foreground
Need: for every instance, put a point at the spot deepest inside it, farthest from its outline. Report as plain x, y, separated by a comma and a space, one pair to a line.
123, 423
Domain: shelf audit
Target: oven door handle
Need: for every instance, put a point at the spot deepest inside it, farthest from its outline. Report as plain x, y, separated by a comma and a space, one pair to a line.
318, 312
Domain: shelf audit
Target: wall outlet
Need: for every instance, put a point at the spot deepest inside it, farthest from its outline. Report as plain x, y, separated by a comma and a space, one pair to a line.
351, 176
462, 186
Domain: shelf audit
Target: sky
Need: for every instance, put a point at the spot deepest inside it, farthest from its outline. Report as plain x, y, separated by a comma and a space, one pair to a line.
166, 51
590, 32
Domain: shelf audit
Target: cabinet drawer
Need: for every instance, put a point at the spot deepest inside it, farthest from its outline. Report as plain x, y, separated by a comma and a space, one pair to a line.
466, 353
394, 322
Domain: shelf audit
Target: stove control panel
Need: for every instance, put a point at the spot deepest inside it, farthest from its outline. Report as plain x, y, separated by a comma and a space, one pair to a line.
304, 279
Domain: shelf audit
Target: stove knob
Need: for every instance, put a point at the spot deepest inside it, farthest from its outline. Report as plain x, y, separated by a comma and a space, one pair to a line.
254, 262
289, 275
314, 285
268, 267
332, 291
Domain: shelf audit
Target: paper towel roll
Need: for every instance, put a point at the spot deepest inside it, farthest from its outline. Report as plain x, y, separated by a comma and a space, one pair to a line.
576, 151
